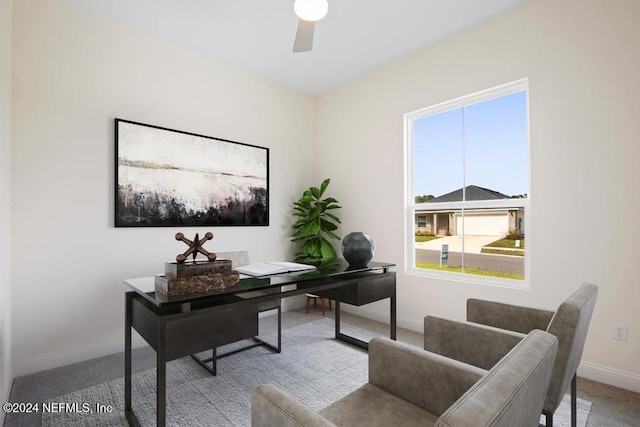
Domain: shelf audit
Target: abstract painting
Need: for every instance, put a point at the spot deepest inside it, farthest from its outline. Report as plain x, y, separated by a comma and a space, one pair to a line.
167, 178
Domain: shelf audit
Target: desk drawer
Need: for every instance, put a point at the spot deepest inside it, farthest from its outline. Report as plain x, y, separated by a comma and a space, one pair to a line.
366, 290
199, 333
195, 331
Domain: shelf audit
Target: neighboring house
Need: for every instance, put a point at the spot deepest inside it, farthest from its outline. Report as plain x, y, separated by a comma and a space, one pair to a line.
478, 222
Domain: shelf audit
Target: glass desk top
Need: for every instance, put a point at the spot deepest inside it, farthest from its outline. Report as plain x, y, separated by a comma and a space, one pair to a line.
145, 286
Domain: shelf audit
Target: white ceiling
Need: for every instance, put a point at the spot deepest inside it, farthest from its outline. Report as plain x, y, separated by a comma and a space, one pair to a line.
356, 36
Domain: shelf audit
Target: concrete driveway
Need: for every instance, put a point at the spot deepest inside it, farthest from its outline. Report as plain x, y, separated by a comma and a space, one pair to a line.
472, 244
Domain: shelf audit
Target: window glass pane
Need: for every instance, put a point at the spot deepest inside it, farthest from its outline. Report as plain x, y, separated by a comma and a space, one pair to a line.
440, 250
489, 250
437, 154
496, 144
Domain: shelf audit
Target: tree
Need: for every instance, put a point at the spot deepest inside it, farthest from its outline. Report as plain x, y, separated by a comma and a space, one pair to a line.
425, 198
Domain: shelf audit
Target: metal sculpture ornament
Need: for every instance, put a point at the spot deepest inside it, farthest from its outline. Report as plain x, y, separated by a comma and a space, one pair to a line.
195, 247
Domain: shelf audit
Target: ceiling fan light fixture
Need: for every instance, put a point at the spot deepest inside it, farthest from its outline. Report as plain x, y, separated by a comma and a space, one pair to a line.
311, 10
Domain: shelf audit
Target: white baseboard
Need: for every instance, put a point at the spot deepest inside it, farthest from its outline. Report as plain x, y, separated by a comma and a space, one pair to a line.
611, 376
74, 355
65, 357
402, 322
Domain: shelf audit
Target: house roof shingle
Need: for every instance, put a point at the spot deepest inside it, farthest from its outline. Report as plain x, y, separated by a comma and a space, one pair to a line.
472, 192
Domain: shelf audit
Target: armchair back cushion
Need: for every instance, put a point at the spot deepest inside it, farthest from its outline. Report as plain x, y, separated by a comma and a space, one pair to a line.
477, 345
428, 380
570, 324
506, 316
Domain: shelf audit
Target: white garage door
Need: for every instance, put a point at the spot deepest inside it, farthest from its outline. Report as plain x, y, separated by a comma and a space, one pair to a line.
488, 224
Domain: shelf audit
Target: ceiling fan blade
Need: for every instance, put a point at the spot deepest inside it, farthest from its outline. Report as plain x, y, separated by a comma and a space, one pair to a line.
304, 36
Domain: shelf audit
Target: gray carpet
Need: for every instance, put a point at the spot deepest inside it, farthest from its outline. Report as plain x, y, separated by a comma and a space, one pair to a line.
313, 367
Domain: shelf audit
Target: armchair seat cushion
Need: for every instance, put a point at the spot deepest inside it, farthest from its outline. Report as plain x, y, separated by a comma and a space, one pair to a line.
372, 406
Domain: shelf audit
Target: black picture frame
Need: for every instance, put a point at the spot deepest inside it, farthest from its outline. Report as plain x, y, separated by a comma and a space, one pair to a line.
168, 178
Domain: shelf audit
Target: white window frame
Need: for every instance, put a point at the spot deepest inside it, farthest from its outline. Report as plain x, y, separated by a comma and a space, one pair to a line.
411, 207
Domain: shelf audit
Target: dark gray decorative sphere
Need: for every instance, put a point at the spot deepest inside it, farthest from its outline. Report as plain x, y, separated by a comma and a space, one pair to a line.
357, 248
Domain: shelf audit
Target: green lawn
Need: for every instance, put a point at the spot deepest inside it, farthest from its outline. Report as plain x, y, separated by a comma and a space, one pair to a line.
506, 243
469, 271
503, 246
426, 238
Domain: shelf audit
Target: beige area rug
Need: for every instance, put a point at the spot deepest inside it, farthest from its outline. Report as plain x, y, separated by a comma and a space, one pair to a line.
313, 367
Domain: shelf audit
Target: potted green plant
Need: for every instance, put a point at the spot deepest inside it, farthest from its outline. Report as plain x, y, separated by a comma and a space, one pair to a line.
315, 224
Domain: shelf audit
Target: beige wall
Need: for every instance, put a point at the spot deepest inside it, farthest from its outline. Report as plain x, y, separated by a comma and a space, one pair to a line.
73, 74
5, 196
582, 61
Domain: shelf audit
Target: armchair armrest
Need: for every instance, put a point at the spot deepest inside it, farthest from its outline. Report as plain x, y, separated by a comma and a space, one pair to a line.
428, 380
273, 407
506, 316
474, 344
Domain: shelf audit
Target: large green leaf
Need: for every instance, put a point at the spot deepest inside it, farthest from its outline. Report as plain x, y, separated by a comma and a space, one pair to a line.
317, 210
324, 186
333, 217
312, 248
299, 233
311, 228
332, 235
327, 250
329, 200
299, 223
327, 225
315, 191
302, 205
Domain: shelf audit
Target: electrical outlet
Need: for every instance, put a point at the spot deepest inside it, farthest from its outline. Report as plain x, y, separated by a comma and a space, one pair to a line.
619, 331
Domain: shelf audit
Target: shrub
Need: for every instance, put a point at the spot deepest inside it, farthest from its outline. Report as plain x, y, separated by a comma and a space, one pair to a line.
514, 235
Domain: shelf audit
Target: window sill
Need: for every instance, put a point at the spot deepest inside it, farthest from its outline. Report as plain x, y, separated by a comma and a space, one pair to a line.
469, 278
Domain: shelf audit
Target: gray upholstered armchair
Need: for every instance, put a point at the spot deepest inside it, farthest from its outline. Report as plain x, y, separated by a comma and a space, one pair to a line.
409, 386
506, 326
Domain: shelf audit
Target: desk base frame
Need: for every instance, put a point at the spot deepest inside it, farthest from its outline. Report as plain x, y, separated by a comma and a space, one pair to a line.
153, 324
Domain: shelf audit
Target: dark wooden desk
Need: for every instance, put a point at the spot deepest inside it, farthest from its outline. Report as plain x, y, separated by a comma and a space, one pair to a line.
176, 327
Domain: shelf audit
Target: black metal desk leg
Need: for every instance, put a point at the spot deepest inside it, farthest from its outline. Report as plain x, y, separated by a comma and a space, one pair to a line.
347, 338
392, 320
127, 353
337, 317
279, 328
161, 379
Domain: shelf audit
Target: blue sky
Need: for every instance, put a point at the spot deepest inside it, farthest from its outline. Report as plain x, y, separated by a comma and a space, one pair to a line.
495, 150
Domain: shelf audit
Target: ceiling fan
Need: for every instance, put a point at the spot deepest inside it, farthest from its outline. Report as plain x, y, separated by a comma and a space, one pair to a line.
309, 11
